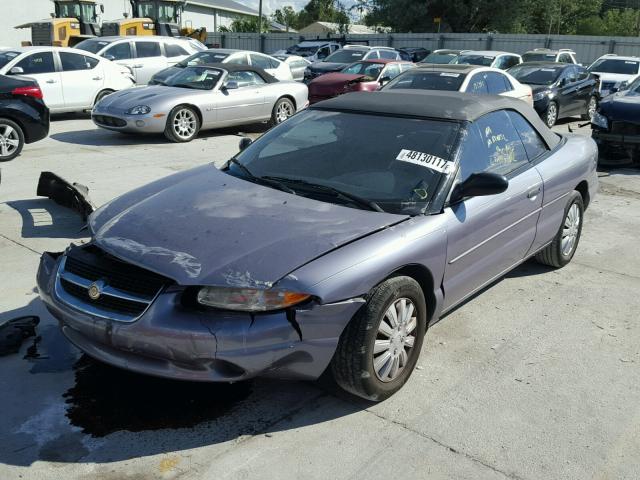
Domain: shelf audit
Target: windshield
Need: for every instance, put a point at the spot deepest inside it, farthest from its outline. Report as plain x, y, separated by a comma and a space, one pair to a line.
6, 56
398, 163
539, 57
536, 75
484, 60
197, 78
93, 46
610, 65
82, 12
201, 58
345, 56
427, 81
370, 70
439, 58
165, 13
306, 51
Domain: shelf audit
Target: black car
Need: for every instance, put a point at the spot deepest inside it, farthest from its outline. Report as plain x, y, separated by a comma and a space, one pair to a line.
24, 117
559, 90
616, 126
413, 54
336, 62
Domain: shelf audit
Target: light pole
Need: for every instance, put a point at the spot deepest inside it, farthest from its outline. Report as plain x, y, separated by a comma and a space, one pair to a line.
260, 17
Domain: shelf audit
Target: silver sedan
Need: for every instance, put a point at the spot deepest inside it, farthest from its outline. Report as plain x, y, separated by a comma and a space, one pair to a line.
201, 97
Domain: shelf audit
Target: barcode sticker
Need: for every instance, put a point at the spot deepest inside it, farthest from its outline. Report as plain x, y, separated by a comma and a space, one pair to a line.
425, 160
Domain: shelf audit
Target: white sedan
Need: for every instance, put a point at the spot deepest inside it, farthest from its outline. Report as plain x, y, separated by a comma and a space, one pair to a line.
462, 78
70, 80
296, 64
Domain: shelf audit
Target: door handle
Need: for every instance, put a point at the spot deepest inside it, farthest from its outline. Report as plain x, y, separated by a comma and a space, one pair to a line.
96, 78
51, 81
533, 193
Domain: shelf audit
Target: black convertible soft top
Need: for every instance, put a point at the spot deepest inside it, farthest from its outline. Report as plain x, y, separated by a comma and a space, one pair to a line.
234, 67
436, 104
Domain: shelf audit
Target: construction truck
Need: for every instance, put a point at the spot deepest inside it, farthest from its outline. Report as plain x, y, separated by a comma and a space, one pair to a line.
71, 22
153, 17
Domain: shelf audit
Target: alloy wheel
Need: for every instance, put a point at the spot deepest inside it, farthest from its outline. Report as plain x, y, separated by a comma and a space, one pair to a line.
591, 108
9, 141
394, 340
570, 230
552, 115
284, 111
184, 123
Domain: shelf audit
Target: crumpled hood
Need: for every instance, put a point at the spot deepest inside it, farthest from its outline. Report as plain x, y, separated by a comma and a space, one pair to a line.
204, 227
621, 106
334, 79
326, 66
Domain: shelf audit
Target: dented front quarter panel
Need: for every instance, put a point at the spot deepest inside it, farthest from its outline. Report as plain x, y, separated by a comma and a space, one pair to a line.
173, 341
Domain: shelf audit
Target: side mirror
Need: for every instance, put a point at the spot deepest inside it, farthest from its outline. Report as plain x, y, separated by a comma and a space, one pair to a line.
384, 80
230, 86
101, 8
623, 86
109, 57
245, 142
479, 185
16, 71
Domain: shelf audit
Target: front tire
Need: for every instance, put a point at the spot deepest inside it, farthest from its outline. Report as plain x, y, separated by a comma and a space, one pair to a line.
11, 140
101, 95
283, 109
551, 114
380, 346
592, 105
564, 245
183, 124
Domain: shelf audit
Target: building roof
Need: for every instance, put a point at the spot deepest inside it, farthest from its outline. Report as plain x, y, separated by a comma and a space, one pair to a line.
227, 5
435, 104
335, 27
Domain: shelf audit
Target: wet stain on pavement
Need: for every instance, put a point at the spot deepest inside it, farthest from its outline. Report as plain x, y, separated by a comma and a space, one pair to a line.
51, 352
106, 399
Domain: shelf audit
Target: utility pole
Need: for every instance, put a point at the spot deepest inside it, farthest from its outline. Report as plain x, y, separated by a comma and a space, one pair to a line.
260, 17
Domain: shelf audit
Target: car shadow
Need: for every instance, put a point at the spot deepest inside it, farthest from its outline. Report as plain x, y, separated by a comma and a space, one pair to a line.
68, 408
42, 218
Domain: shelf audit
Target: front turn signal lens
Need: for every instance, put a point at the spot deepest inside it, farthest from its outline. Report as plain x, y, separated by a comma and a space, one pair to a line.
249, 299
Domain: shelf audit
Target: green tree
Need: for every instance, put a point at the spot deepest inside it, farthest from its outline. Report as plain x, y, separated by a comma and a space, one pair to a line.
323, 11
614, 23
246, 24
287, 16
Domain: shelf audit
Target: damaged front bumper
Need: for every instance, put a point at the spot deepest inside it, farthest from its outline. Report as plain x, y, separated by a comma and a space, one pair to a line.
174, 341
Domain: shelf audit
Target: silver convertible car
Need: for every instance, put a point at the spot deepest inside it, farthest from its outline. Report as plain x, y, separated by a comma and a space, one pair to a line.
201, 97
332, 242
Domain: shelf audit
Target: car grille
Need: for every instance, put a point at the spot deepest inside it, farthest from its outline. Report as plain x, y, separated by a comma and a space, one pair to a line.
108, 121
126, 290
625, 128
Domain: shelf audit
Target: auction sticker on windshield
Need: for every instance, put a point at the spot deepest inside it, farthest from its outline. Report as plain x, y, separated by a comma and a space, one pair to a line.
425, 160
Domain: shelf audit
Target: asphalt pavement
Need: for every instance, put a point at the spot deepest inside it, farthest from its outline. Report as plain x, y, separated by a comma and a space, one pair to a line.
537, 377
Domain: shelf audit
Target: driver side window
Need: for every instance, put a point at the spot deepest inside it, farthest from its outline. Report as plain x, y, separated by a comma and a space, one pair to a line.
491, 144
121, 51
245, 79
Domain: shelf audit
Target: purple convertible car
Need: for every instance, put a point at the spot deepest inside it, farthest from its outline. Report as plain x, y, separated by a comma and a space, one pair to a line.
334, 241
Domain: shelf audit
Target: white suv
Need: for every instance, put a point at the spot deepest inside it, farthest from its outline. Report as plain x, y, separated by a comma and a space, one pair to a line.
144, 55
614, 71
563, 55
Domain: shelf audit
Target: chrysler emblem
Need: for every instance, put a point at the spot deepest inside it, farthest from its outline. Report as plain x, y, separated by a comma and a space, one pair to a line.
95, 290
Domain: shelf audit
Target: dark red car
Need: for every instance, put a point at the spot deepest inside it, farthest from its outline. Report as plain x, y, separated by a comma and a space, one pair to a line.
364, 76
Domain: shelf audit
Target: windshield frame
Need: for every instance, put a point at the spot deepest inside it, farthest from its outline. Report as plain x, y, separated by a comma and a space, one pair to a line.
103, 44
433, 205
185, 62
342, 51
558, 70
185, 70
594, 66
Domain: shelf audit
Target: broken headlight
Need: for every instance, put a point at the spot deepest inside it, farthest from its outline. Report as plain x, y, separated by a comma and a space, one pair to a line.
139, 110
249, 299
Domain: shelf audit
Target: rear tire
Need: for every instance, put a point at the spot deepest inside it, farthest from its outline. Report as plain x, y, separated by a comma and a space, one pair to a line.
101, 95
183, 124
564, 245
374, 357
283, 109
11, 140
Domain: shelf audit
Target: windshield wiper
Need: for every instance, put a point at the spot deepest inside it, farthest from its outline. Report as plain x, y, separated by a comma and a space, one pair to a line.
263, 180
371, 205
